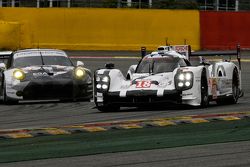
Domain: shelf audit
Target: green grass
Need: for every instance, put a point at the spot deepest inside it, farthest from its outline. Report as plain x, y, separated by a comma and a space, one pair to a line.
123, 140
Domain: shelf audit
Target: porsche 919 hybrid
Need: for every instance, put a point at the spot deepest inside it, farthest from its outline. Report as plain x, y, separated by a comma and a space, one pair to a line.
169, 76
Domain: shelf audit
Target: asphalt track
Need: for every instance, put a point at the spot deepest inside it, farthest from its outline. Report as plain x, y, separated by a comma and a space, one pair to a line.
44, 114
213, 155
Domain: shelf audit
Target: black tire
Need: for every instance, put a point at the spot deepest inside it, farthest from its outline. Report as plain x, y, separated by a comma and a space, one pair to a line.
108, 108
235, 87
235, 91
204, 90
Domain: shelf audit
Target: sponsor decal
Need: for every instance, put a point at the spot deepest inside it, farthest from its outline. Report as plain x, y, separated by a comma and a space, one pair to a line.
188, 94
181, 48
143, 84
40, 74
214, 87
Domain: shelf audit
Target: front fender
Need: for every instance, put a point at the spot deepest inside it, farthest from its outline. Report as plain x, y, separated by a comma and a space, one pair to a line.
131, 71
115, 75
193, 96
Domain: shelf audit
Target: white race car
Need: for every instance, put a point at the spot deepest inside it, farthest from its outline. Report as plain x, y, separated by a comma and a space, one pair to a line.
168, 75
42, 74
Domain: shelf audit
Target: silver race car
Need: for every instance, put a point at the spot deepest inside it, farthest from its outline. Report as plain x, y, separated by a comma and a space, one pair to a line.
171, 74
42, 74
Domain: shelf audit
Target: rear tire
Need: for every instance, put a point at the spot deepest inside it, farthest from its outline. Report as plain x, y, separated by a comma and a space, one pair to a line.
235, 91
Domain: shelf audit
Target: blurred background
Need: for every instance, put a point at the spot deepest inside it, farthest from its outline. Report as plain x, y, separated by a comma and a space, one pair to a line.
225, 5
124, 24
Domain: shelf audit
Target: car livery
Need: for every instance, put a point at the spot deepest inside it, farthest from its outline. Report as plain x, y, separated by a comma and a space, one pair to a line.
171, 74
43, 74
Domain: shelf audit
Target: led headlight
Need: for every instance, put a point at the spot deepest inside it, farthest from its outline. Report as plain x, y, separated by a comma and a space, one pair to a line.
180, 84
181, 77
98, 86
105, 79
188, 76
79, 72
98, 78
104, 86
19, 74
102, 83
187, 84
184, 80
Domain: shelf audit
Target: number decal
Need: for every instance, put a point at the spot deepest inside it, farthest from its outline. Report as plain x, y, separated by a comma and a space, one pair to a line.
143, 84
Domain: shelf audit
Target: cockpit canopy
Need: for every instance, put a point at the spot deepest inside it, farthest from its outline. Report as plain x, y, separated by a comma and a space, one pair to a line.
160, 64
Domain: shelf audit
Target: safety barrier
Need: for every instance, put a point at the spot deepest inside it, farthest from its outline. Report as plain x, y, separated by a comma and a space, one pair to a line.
224, 30
10, 35
97, 29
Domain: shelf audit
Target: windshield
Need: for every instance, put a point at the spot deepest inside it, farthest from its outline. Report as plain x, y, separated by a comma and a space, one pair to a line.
157, 65
24, 61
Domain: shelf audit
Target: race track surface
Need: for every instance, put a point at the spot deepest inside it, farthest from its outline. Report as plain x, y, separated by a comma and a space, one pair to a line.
213, 155
49, 114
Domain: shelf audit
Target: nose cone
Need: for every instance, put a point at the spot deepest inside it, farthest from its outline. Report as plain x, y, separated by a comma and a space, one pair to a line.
163, 80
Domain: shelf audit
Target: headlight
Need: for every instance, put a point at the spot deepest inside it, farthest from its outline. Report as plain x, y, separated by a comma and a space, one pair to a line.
184, 80
180, 84
181, 77
104, 86
105, 79
187, 84
102, 83
19, 74
98, 86
79, 72
98, 78
188, 76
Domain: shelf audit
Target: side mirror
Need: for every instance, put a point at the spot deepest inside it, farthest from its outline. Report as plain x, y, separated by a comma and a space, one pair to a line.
110, 65
131, 71
2, 66
79, 63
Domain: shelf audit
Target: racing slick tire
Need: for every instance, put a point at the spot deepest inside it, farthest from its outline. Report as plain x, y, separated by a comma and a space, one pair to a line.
235, 91
6, 99
204, 90
108, 108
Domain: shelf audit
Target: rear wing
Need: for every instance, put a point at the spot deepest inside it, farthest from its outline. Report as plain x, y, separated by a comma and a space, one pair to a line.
5, 54
230, 53
186, 51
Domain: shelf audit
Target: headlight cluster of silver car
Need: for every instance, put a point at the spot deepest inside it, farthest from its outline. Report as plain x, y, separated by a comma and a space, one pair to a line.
102, 82
184, 80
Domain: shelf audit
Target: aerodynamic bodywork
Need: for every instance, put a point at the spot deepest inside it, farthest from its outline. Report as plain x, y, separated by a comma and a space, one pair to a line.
43, 74
172, 74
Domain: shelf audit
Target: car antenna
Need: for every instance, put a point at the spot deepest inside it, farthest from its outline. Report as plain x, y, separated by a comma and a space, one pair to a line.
41, 57
43, 63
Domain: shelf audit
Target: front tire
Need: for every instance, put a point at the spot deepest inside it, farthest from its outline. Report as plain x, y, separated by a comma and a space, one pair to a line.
108, 108
6, 99
204, 90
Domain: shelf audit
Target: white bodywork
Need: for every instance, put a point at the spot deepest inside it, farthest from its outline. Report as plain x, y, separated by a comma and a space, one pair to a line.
218, 76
